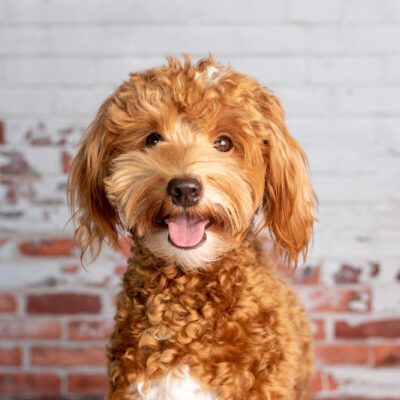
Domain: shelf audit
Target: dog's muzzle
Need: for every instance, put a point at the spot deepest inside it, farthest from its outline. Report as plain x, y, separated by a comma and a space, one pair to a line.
184, 231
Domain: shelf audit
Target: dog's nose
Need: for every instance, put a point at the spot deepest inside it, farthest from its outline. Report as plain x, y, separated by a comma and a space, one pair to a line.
185, 192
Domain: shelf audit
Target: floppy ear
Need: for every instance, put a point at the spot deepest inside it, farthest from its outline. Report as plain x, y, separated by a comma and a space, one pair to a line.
289, 199
94, 218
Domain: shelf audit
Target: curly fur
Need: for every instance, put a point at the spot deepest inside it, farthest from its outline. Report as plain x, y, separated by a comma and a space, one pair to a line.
217, 312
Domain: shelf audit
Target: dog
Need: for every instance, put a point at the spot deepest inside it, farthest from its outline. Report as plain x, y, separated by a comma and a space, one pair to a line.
193, 161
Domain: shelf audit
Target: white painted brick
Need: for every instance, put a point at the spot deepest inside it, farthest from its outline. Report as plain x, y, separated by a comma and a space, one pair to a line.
388, 242
390, 210
344, 216
342, 70
49, 71
42, 191
98, 11
164, 40
303, 100
25, 101
55, 132
2, 73
343, 244
342, 160
380, 100
336, 131
36, 273
395, 11
24, 40
36, 219
43, 159
268, 70
271, 70
386, 274
50, 190
391, 69
386, 299
79, 101
367, 11
389, 177
376, 382
114, 70
235, 10
341, 11
352, 189
3, 11
353, 40
314, 10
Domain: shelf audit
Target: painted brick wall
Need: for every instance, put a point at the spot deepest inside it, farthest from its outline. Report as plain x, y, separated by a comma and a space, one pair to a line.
336, 66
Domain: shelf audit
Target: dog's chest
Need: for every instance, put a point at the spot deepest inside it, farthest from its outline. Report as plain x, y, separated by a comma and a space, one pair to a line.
173, 386
180, 319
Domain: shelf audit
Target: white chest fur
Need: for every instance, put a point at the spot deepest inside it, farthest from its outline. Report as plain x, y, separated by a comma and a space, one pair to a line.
176, 385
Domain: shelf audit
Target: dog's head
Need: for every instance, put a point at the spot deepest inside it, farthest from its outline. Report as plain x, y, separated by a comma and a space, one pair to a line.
184, 157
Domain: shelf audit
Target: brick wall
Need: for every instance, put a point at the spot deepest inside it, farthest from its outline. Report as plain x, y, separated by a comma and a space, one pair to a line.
336, 66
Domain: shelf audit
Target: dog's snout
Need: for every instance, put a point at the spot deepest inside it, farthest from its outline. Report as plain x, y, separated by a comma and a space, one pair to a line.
185, 192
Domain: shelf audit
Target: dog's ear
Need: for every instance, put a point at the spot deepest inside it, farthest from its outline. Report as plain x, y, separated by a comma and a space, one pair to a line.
289, 200
95, 220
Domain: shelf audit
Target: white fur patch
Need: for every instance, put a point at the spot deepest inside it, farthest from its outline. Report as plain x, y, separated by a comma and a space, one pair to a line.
210, 76
176, 385
189, 259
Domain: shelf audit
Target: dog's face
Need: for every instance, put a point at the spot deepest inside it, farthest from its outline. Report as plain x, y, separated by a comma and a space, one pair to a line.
183, 157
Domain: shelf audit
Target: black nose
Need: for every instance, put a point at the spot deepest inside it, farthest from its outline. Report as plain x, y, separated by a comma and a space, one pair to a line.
185, 192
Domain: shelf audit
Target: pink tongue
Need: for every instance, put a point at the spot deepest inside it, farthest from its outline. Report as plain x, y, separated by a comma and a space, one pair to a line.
185, 231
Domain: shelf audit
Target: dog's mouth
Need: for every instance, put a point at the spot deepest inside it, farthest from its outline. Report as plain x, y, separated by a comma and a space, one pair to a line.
186, 231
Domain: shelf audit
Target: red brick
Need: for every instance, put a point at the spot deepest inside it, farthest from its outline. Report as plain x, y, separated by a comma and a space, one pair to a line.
331, 300
10, 192
29, 383
323, 382
2, 134
70, 269
342, 354
90, 330
67, 357
387, 355
383, 328
87, 384
330, 383
308, 275
27, 328
48, 247
120, 270
318, 329
10, 356
316, 382
14, 164
7, 302
66, 160
63, 303
347, 274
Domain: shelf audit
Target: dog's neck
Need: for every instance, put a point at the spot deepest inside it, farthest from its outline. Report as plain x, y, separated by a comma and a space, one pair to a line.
142, 256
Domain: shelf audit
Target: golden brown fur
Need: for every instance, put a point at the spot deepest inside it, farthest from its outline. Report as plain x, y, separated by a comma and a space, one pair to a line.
220, 309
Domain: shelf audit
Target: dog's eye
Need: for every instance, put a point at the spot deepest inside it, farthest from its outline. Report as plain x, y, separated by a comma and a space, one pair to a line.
223, 143
153, 139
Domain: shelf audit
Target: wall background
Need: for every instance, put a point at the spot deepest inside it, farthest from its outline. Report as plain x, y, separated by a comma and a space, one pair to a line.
336, 66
